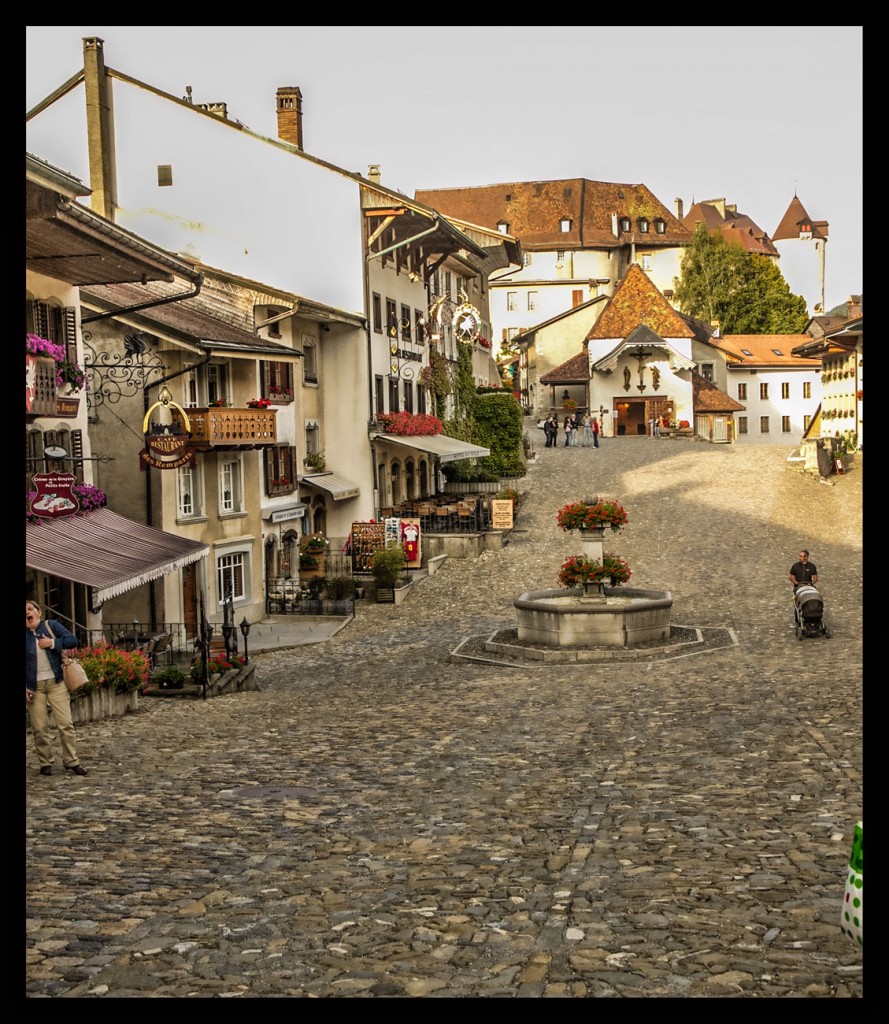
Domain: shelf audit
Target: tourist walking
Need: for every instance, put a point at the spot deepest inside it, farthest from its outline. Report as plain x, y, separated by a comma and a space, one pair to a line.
575, 430
587, 429
569, 423
45, 689
595, 426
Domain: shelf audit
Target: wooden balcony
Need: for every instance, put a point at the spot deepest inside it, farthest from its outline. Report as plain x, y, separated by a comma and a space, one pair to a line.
40, 384
221, 427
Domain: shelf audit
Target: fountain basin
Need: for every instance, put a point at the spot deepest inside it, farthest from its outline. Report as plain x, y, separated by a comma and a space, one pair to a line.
622, 617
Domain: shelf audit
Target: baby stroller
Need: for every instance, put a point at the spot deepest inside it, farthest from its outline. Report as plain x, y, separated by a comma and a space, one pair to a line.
809, 611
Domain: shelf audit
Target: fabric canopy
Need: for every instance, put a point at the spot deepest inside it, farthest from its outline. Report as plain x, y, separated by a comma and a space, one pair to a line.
448, 449
107, 551
337, 486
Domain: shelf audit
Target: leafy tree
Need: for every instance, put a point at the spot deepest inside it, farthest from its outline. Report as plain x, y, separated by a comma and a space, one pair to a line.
744, 292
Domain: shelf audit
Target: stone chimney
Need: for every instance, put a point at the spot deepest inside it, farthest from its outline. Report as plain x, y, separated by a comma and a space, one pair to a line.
290, 115
853, 306
373, 173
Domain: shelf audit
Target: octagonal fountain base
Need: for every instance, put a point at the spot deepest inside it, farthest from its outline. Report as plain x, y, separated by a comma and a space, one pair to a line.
615, 617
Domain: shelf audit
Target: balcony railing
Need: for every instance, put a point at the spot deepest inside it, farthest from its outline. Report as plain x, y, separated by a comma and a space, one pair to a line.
224, 427
43, 394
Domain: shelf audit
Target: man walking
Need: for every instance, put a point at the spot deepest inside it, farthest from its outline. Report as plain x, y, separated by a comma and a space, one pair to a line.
595, 426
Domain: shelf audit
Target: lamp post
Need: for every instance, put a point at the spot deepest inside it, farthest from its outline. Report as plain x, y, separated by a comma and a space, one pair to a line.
227, 632
245, 632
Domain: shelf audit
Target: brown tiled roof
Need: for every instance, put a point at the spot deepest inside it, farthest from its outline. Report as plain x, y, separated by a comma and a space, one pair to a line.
533, 211
762, 349
707, 397
637, 301
734, 227
575, 370
795, 215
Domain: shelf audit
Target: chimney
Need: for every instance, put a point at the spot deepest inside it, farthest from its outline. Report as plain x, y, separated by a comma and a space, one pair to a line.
853, 306
680, 209
373, 173
290, 115
614, 225
731, 207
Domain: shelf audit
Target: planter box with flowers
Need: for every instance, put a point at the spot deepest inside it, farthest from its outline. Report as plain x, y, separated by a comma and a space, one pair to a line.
279, 395
594, 567
116, 679
408, 424
52, 381
591, 515
259, 403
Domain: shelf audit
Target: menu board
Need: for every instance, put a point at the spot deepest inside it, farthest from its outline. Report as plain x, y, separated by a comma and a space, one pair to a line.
501, 513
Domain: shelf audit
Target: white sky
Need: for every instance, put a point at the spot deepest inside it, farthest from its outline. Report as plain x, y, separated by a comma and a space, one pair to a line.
749, 113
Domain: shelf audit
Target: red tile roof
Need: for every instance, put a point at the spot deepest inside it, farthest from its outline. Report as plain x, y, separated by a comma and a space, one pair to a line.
707, 397
575, 370
534, 210
733, 226
637, 301
796, 215
762, 349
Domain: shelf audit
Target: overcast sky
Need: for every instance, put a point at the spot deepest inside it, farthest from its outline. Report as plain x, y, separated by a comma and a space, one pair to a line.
751, 114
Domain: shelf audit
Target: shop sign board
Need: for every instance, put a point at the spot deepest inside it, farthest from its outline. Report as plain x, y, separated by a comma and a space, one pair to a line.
54, 495
501, 513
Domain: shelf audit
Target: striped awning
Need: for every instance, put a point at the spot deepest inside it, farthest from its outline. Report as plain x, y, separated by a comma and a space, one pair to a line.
107, 552
448, 449
338, 487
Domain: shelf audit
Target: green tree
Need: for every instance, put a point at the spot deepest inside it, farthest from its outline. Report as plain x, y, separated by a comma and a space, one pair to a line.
744, 292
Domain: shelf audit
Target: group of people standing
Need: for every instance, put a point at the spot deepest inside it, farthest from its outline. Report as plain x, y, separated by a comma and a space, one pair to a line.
573, 425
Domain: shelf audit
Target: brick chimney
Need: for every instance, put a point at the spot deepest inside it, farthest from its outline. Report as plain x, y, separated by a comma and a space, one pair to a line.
290, 115
679, 208
853, 306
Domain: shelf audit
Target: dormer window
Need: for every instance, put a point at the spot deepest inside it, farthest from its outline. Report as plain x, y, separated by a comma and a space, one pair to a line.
746, 352
643, 224
503, 227
565, 225
624, 223
777, 351
660, 226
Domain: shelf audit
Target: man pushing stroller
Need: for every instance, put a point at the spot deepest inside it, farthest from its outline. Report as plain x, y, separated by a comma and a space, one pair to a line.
803, 571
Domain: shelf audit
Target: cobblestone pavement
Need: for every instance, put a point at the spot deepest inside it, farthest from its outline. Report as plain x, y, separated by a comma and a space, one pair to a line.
381, 820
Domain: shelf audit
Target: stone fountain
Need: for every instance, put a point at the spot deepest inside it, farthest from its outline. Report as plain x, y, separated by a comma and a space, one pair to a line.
597, 615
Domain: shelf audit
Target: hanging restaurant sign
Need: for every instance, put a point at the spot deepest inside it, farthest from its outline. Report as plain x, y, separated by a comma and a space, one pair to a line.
54, 495
166, 435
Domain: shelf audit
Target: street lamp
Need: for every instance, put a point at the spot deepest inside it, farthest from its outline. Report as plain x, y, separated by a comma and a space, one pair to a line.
245, 632
227, 631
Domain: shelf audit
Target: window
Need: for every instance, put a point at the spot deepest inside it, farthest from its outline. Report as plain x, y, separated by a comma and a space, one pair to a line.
576, 297
217, 383
763, 391
277, 378
378, 313
807, 389
230, 576
763, 424
565, 225
742, 392
777, 351
310, 370
746, 352
533, 299
643, 225
419, 330
55, 323
313, 438
391, 317
275, 328
231, 491
393, 394
806, 421
742, 424
408, 396
379, 403
448, 282
503, 227
406, 323
707, 371
512, 301
646, 261
511, 332
785, 424
625, 223
660, 226
188, 492
785, 390
526, 259
280, 468
560, 256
